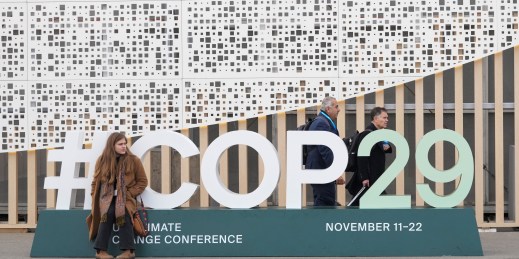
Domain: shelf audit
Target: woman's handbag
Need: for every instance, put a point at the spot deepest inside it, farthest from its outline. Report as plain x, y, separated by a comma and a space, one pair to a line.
140, 220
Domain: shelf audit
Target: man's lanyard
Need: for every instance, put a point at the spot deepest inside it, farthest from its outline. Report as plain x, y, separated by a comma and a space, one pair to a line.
330, 119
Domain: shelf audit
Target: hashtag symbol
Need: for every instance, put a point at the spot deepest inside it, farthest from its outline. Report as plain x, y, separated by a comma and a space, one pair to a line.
70, 157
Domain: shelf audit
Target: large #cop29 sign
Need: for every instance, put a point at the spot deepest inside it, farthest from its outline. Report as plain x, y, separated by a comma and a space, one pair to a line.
292, 231
296, 175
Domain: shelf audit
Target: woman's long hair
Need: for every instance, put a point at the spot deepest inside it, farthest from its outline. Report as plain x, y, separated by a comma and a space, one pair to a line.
107, 165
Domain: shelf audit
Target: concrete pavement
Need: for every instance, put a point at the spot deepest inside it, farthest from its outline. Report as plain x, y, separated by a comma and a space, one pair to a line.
502, 245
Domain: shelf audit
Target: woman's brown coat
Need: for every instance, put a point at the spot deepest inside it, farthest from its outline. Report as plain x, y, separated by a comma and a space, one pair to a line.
135, 183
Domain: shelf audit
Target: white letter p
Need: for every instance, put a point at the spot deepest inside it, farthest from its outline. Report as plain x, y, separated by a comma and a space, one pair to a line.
296, 176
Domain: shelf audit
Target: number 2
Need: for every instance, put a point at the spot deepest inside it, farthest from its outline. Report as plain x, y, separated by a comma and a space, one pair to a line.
372, 199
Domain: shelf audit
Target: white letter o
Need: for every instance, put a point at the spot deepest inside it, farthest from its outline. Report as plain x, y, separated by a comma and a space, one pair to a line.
210, 172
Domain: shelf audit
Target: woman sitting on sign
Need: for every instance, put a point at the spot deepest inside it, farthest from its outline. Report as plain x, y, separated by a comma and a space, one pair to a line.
119, 178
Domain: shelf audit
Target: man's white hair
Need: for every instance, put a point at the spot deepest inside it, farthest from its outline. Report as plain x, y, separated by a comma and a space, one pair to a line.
327, 102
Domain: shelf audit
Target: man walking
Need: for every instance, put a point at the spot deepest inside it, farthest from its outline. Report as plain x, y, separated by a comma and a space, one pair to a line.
321, 156
369, 169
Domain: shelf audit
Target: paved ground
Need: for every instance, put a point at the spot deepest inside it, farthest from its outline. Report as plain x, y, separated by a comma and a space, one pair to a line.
502, 245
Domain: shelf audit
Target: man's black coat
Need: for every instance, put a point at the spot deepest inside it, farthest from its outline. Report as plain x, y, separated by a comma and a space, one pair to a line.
369, 168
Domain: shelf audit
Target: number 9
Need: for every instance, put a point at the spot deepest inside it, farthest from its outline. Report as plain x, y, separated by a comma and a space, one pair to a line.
464, 168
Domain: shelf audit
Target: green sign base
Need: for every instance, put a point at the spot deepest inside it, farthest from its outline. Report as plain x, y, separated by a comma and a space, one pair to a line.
276, 232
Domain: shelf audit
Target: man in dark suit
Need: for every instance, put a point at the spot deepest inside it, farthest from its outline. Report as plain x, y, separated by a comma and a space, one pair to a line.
320, 156
369, 169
